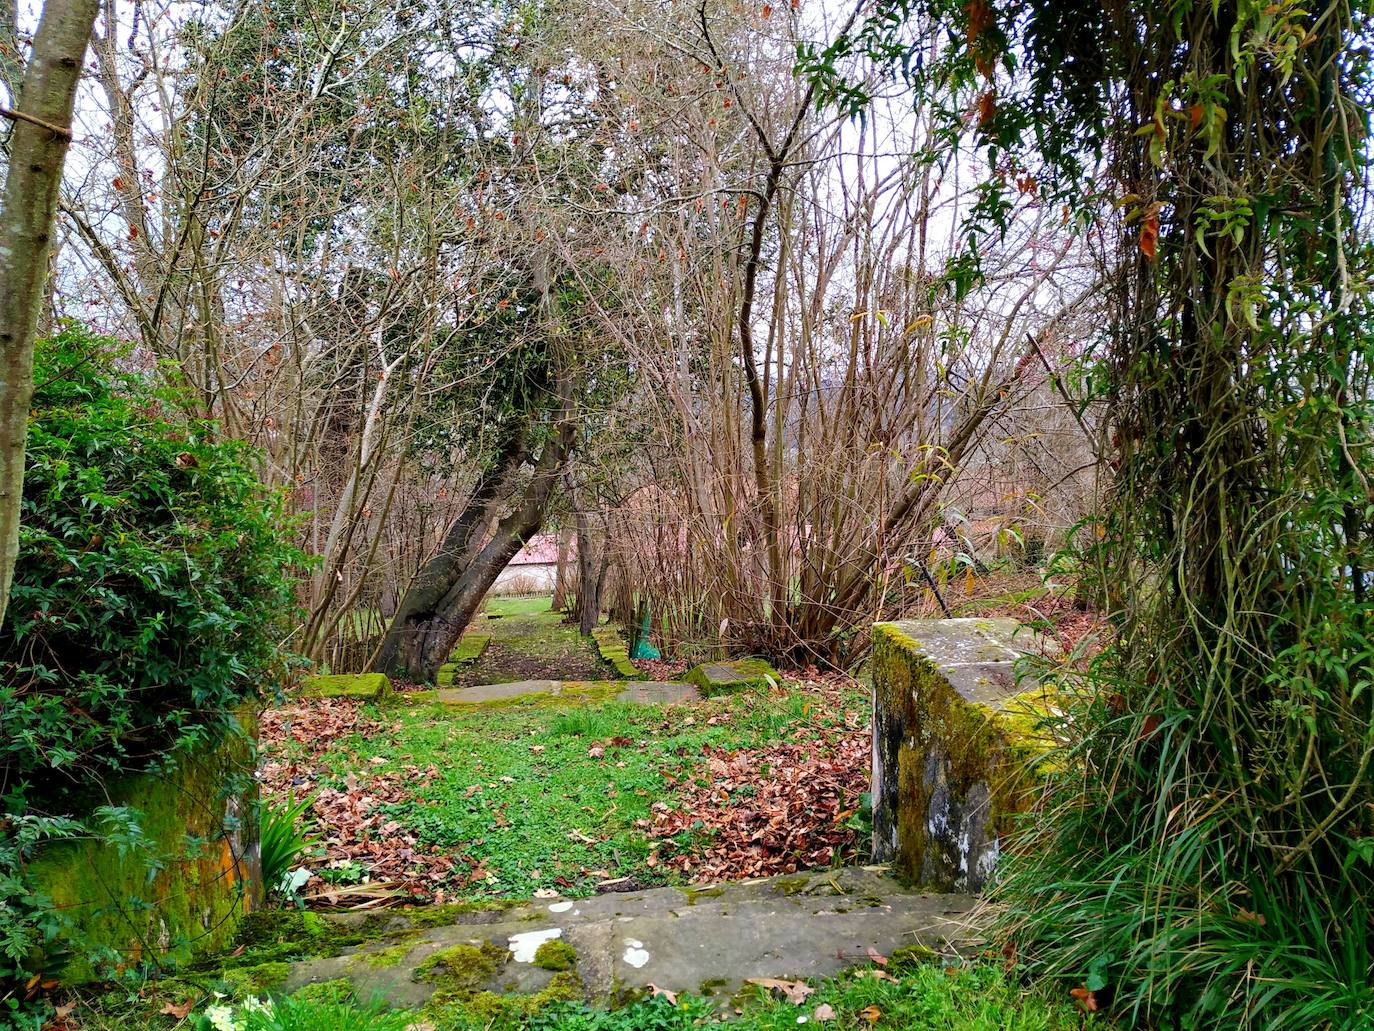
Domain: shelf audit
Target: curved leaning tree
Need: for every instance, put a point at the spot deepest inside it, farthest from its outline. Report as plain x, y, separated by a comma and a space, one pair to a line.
1209, 858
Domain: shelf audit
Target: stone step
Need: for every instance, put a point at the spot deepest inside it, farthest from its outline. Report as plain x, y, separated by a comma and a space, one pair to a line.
702, 940
639, 691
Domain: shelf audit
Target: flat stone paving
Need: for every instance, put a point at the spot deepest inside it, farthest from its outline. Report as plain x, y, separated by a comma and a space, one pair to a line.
705, 940
640, 691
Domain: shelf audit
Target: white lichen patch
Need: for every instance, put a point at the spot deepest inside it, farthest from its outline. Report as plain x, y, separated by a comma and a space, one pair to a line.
635, 953
524, 945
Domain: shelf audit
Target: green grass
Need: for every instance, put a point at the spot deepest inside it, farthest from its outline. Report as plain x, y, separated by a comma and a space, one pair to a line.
923, 998
514, 606
518, 791
919, 997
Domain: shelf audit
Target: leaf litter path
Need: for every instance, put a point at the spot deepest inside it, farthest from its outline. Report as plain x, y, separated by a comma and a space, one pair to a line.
770, 932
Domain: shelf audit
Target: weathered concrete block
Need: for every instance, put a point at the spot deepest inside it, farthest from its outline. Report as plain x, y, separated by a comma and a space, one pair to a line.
367, 686
955, 747
200, 821
612, 649
727, 677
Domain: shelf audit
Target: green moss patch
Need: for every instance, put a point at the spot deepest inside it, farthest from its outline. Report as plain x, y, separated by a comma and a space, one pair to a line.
715, 678
611, 646
388, 957
366, 686
260, 979
555, 955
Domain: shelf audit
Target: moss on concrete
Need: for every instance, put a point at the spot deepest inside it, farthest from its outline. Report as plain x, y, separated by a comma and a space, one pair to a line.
470, 647
386, 957
695, 894
555, 955
259, 979
937, 747
488, 1009
611, 646
461, 970
714, 678
197, 816
366, 686
336, 990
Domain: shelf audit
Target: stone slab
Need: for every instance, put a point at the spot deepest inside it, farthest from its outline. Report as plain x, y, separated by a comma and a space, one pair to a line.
705, 940
733, 675
366, 686
642, 692
663, 692
610, 645
956, 745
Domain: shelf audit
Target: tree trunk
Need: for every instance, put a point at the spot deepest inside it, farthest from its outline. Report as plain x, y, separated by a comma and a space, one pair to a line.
38, 148
439, 605
591, 576
560, 576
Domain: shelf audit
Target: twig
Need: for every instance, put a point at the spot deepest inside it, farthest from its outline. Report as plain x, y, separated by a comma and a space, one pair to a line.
56, 130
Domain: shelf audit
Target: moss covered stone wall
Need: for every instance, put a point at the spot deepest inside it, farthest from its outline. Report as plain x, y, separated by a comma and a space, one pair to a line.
186, 890
955, 743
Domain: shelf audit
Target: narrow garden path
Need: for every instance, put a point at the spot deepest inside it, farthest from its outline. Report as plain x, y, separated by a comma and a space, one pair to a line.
529, 642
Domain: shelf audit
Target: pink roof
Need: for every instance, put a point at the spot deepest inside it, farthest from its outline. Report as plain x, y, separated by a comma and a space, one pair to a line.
539, 550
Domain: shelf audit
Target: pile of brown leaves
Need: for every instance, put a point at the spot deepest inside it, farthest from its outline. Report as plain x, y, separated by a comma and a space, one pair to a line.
352, 827
793, 818
660, 669
315, 724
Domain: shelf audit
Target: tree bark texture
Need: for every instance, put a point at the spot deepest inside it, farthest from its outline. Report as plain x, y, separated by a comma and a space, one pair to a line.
41, 133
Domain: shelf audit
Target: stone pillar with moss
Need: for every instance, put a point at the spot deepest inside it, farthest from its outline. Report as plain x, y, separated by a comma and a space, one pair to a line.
182, 890
956, 747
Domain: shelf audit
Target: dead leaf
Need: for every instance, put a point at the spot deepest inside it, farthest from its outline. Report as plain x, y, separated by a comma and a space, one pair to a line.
871, 1014
655, 991
823, 1012
876, 956
1149, 235
178, 1010
794, 991
1086, 999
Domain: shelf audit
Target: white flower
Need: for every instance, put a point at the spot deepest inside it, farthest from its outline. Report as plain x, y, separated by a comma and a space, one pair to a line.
221, 1018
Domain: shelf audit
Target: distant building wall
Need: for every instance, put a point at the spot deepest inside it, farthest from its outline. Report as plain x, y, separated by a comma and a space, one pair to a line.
532, 578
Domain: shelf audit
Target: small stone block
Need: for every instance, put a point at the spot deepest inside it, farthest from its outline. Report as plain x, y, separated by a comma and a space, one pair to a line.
469, 649
612, 649
367, 686
728, 677
956, 747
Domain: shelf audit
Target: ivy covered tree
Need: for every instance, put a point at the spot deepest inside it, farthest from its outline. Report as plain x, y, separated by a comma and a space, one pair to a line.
1208, 857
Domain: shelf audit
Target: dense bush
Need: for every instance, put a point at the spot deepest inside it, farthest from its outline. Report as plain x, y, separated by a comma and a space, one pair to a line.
151, 597
152, 583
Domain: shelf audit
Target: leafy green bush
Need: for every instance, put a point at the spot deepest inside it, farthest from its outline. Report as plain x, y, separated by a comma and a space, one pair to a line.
152, 581
151, 594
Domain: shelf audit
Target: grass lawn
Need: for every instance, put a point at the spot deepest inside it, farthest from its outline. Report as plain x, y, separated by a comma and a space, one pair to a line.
546, 794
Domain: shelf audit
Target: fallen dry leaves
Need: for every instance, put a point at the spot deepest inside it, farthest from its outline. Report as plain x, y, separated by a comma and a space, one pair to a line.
790, 818
352, 826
